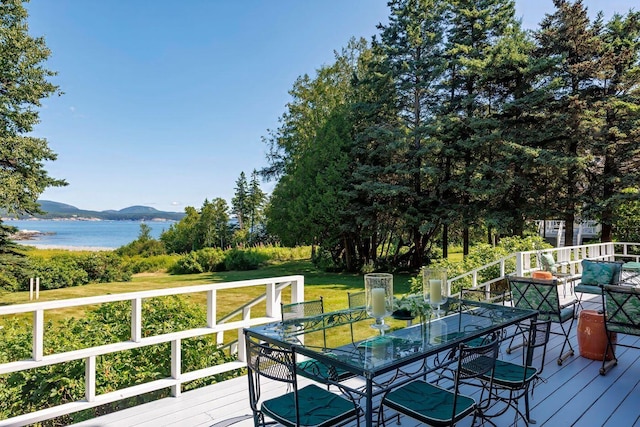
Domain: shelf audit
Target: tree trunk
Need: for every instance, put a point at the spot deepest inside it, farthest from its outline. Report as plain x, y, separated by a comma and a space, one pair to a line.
568, 230
445, 241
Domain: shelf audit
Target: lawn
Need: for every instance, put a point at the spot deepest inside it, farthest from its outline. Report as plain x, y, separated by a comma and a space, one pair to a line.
333, 287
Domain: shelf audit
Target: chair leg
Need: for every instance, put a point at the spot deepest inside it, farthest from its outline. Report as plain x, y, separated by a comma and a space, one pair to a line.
564, 356
528, 419
512, 347
608, 364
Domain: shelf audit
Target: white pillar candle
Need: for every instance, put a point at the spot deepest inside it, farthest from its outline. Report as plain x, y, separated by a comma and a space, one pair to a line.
378, 296
435, 291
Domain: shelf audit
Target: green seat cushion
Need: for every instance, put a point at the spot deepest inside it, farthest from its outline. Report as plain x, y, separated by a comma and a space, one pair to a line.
548, 263
565, 314
599, 273
587, 289
512, 375
316, 406
428, 403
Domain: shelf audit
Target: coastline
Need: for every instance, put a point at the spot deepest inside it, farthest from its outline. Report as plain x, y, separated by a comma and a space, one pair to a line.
69, 248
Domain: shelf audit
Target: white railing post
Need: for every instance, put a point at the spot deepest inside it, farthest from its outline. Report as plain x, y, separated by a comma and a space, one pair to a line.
176, 366
211, 308
38, 335
297, 291
90, 378
273, 303
242, 348
136, 319
519, 266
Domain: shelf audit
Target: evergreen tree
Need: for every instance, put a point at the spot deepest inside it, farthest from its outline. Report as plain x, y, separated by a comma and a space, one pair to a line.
403, 177
570, 130
476, 28
255, 201
240, 203
24, 82
613, 158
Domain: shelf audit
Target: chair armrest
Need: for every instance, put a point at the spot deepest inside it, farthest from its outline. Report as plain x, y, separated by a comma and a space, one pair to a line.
569, 304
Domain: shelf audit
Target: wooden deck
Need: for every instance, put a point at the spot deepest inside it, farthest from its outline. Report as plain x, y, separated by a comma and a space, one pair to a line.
574, 394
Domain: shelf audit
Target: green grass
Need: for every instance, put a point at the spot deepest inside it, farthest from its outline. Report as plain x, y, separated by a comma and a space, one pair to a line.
333, 287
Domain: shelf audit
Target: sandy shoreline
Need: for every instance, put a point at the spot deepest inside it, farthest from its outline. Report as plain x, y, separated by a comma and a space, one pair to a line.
68, 248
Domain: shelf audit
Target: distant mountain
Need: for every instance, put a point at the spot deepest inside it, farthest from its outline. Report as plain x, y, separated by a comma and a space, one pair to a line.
138, 209
55, 210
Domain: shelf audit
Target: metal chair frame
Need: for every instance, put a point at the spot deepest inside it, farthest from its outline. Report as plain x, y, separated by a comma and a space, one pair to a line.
536, 337
542, 295
473, 362
621, 315
279, 364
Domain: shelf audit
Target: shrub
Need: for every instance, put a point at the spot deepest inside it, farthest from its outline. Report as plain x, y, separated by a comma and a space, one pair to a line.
482, 254
141, 264
103, 267
187, 264
61, 271
211, 259
242, 260
34, 389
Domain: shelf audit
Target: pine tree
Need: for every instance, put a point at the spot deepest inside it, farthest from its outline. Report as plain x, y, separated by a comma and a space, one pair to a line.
570, 129
476, 27
397, 168
614, 160
24, 82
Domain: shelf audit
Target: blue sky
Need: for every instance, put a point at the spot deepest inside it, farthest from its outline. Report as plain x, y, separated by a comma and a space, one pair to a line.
165, 102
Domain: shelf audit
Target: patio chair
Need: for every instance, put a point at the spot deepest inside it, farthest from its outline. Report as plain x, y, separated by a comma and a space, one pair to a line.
512, 381
309, 406
356, 300
542, 295
621, 315
595, 274
549, 264
312, 368
433, 404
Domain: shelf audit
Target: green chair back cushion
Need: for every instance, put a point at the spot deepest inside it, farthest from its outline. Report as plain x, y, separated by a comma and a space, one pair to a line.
599, 273
548, 263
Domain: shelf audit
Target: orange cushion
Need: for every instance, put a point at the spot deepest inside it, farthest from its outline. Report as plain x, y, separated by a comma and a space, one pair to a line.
542, 275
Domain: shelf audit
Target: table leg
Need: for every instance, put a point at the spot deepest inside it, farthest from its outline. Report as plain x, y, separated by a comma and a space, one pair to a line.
368, 415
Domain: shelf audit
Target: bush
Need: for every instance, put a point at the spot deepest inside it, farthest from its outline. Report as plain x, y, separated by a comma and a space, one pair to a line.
33, 389
145, 248
75, 269
482, 254
104, 267
61, 271
243, 260
187, 264
211, 259
141, 264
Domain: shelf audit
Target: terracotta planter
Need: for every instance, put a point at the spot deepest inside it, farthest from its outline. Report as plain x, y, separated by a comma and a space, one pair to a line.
592, 338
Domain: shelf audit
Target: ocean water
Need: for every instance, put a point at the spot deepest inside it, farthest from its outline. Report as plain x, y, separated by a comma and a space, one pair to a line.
86, 234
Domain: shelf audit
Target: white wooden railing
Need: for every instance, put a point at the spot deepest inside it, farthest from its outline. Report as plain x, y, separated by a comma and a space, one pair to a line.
524, 263
272, 295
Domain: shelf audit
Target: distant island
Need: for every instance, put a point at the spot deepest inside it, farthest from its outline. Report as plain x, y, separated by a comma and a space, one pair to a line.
56, 210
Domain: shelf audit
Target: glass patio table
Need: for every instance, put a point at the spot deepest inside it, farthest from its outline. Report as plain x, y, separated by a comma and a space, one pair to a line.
389, 360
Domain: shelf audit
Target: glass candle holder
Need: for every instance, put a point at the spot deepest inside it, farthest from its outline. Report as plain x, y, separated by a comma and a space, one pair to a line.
379, 295
434, 287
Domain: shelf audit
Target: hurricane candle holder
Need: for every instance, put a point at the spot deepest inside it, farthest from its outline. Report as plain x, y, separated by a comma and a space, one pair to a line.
379, 294
434, 287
